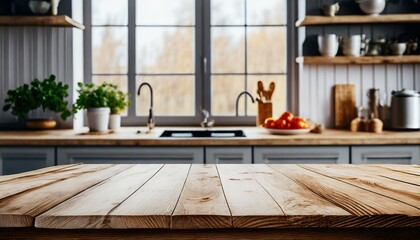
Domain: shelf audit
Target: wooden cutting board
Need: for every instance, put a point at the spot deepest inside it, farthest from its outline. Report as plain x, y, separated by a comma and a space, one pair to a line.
344, 105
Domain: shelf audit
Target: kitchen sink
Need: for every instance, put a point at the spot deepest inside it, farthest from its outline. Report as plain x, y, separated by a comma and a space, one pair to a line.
203, 134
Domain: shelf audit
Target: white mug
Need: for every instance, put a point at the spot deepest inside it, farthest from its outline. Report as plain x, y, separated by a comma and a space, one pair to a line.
328, 45
352, 45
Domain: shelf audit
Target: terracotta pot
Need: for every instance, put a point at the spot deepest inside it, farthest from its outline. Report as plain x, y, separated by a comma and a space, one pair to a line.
40, 124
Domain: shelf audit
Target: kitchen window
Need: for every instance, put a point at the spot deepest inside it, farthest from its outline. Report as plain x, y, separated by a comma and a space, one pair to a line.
194, 53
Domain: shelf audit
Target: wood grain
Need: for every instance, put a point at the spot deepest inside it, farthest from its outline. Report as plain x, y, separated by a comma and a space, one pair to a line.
396, 190
386, 172
153, 204
202, 203
358, 19
90, 208
250, 204
344, 105
47, 21
37, 172
355, 200
363, 60
19, 210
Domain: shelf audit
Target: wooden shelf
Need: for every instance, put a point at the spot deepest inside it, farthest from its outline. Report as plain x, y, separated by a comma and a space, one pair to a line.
358, 19
47, 21
320, 60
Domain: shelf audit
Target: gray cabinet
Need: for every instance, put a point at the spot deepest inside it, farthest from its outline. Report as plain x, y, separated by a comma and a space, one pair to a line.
385, 155
230, 155
136, 155
21, 159
301, 155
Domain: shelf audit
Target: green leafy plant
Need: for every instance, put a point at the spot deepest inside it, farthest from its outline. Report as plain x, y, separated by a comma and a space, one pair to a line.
91, 96
46, 94
117, 100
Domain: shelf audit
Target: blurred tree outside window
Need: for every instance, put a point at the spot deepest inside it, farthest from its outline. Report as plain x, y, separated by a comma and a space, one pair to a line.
244, 40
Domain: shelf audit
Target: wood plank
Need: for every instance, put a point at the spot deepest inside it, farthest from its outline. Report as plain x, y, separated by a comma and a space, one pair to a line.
250, 204
212, 234
407, 169
400, 191
344, 105
303, 207
35, 172
320, 60
358, 19
20, 210
37, 181
153, 204
380, 211
51, 21
90, 208
384, 172
202, 203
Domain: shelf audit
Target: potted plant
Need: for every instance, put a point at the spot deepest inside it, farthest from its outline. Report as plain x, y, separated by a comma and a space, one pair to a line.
117, 102
46, 94
95, 100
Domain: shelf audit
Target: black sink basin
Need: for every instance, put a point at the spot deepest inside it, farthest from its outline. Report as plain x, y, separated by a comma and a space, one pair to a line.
202, 134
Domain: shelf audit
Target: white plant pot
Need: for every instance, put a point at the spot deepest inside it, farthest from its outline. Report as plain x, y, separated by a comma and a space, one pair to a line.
98, 119
114, 121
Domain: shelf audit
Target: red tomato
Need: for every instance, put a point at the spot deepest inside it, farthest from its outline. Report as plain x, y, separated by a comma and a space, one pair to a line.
288, 116
299, 123
269, 123
281, 123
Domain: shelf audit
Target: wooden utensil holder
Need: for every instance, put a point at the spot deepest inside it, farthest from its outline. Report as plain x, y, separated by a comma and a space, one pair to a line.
265, 110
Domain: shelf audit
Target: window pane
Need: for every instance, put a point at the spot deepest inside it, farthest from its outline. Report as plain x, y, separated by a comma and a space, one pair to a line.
231, 12
266, 12
120, 81
165, 50
107, 12
228, 49
267, 50
279, 95
165, 12
225, 89
172, 95
109, 47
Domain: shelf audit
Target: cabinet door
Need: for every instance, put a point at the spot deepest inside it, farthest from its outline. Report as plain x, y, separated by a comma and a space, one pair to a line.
232, 155
137, 155
301, 155
21, 159
385, 155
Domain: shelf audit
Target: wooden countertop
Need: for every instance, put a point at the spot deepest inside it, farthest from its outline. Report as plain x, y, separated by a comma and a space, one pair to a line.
227, 196
254, 137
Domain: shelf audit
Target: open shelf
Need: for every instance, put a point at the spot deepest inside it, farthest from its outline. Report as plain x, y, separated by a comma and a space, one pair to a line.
320, 60
358, 19
47, 21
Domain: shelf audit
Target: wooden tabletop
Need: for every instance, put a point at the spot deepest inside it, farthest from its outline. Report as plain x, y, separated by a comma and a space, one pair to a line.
128, 136
185, 196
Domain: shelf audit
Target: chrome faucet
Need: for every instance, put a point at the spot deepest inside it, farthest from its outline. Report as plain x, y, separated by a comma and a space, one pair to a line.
206, 123
151, 118
239, 96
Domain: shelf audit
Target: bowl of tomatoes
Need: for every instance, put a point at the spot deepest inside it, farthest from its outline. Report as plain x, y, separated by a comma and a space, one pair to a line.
287, 124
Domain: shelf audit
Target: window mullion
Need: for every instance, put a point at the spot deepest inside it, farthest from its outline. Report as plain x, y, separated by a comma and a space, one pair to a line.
132, 58
206, 48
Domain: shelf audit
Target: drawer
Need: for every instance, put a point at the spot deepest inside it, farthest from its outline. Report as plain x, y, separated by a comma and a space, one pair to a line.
385, 155
229, 155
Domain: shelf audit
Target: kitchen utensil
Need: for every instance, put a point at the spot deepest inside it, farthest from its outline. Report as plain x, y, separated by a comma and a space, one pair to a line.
405, 110
398, 48
287, 131
328, 45
330, 10
372, 7
344, 105
39, 7
271, 90
373, 96
265, 110
352, 45
260, 89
